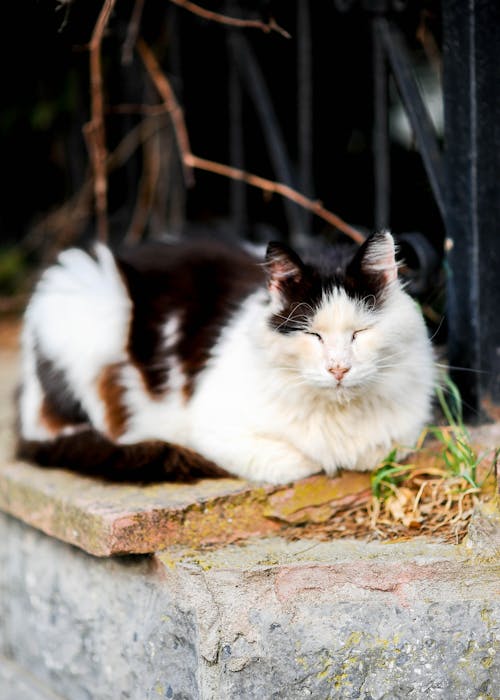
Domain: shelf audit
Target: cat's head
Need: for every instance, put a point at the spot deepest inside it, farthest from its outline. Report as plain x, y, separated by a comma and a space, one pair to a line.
333, 325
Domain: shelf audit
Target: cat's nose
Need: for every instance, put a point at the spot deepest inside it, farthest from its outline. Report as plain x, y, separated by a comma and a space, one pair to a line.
339, 371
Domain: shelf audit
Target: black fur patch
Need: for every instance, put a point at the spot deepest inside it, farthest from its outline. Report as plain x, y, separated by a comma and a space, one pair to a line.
59, 400
88, 452
303, 281
200, 282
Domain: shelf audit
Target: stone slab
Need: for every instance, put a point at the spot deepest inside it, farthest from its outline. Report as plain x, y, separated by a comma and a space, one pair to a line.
106, 519
267, 619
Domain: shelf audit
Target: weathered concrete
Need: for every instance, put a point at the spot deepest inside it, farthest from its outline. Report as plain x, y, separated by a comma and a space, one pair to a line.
270, 619
16, 683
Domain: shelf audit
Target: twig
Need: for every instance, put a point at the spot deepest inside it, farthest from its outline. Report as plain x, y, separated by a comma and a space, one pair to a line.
232, 21
132, 32
171, 105
188, 160
147, 188
284, 190
94, 130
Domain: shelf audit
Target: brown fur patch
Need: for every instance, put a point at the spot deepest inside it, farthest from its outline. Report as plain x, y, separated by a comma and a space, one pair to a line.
112, 394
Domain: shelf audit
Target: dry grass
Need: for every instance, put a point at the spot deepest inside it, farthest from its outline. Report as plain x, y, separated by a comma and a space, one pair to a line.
420, 498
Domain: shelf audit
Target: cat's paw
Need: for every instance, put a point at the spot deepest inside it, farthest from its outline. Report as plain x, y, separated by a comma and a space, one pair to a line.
285, 474
280, 463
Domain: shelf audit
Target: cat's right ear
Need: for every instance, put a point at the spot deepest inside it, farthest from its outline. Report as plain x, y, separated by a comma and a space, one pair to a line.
283, 266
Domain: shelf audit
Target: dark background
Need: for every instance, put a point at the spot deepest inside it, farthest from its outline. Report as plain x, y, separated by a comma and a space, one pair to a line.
46, 102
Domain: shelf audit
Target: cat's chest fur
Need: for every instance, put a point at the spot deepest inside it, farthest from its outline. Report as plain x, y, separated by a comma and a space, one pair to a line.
272, 369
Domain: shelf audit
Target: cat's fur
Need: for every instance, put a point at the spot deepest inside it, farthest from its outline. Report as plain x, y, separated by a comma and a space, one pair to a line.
273, 370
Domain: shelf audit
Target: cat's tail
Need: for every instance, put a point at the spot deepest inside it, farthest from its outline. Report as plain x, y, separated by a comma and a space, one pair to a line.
88, 452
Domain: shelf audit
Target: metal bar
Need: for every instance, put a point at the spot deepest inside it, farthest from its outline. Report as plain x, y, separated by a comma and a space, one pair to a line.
254, 82
237, 189
471, 47
304, 100
381, 145
414, 105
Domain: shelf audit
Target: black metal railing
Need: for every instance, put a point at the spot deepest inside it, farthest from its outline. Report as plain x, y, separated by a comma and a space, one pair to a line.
464, 175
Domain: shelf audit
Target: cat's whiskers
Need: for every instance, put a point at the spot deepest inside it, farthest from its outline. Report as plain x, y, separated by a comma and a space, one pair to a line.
438, 328
392, 356
445, 388
301, 321
300, 325
454, 368
387, 364
303, 303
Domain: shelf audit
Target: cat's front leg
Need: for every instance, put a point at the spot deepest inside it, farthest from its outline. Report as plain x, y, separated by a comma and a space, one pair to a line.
262, 458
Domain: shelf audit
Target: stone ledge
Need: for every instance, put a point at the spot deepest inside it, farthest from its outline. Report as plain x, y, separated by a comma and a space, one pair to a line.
106, 519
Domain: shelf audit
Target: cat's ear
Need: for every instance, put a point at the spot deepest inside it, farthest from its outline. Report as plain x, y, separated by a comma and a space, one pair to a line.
283, 266
376, 258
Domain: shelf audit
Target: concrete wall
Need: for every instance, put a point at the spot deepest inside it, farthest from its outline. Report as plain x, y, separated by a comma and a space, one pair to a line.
270, 619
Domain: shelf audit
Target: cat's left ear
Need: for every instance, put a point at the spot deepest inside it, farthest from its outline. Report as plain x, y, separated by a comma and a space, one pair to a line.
284, 267
377, 257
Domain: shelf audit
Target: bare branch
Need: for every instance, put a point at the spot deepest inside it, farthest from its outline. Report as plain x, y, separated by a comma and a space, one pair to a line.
94, 130
315, 207
231, 21
171, 106
148, 185
132, 32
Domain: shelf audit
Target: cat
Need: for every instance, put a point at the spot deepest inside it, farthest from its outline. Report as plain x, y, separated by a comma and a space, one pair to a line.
195, 358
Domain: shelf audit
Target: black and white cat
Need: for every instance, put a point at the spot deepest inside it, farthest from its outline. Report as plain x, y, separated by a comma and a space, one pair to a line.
272, 370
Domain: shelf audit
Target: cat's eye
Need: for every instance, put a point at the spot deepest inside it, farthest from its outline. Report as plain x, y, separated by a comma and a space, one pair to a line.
316, 335
360, 330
